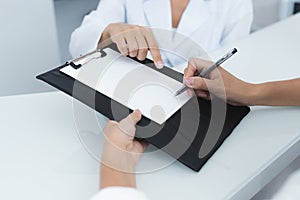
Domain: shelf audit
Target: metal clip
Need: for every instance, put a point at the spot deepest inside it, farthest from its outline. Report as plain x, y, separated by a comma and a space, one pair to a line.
76, 64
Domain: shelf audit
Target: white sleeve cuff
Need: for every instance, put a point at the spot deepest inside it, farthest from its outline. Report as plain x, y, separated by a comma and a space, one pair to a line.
124, 193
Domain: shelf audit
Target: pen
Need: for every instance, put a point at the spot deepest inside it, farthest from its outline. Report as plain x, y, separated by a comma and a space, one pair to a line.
209, 69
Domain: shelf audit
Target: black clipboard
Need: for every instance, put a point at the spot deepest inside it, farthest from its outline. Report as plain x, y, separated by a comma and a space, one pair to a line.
182, 136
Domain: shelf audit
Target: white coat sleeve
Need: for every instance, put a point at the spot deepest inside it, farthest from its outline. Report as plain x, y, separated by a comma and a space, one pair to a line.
85, 38
240, 18
115, 193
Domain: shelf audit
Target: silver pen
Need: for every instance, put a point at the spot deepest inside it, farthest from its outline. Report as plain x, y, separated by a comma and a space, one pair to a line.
209, 69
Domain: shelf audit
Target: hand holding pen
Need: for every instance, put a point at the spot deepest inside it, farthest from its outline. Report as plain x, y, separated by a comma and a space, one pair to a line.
205, 72
218, 83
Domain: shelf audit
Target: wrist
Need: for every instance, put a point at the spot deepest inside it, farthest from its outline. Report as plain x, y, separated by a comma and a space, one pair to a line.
112, 177
118, 158
255, 94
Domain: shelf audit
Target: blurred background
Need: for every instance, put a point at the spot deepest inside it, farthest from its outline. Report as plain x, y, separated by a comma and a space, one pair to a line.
35, 36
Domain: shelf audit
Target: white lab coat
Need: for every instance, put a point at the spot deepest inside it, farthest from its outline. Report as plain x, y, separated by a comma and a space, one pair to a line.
205, 25
119, 193
289, 190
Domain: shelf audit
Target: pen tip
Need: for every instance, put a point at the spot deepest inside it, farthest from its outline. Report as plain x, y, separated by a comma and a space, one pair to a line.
234, 50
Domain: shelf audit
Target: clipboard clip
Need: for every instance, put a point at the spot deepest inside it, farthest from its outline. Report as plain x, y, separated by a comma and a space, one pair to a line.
83, 60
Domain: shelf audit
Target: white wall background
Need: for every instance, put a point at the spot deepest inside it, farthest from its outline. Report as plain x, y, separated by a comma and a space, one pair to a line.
28, 45
265, 13
67, 21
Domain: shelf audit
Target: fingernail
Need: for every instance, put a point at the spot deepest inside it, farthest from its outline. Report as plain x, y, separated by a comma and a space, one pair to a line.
137, 112
189, 81
159, 64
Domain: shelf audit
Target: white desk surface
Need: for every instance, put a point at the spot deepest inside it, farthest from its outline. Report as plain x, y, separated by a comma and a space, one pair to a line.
42, 157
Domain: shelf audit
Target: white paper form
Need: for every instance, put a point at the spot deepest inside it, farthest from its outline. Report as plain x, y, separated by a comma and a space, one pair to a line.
130, 83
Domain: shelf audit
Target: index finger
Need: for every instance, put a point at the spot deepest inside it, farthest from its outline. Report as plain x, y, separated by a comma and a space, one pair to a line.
192, 68
196, 65
153, 48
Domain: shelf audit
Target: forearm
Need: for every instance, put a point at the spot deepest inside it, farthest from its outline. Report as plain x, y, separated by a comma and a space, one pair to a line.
280, 93
117, 165
111, 177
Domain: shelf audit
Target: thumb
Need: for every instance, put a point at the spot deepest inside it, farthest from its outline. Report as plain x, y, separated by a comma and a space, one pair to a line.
127, 124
